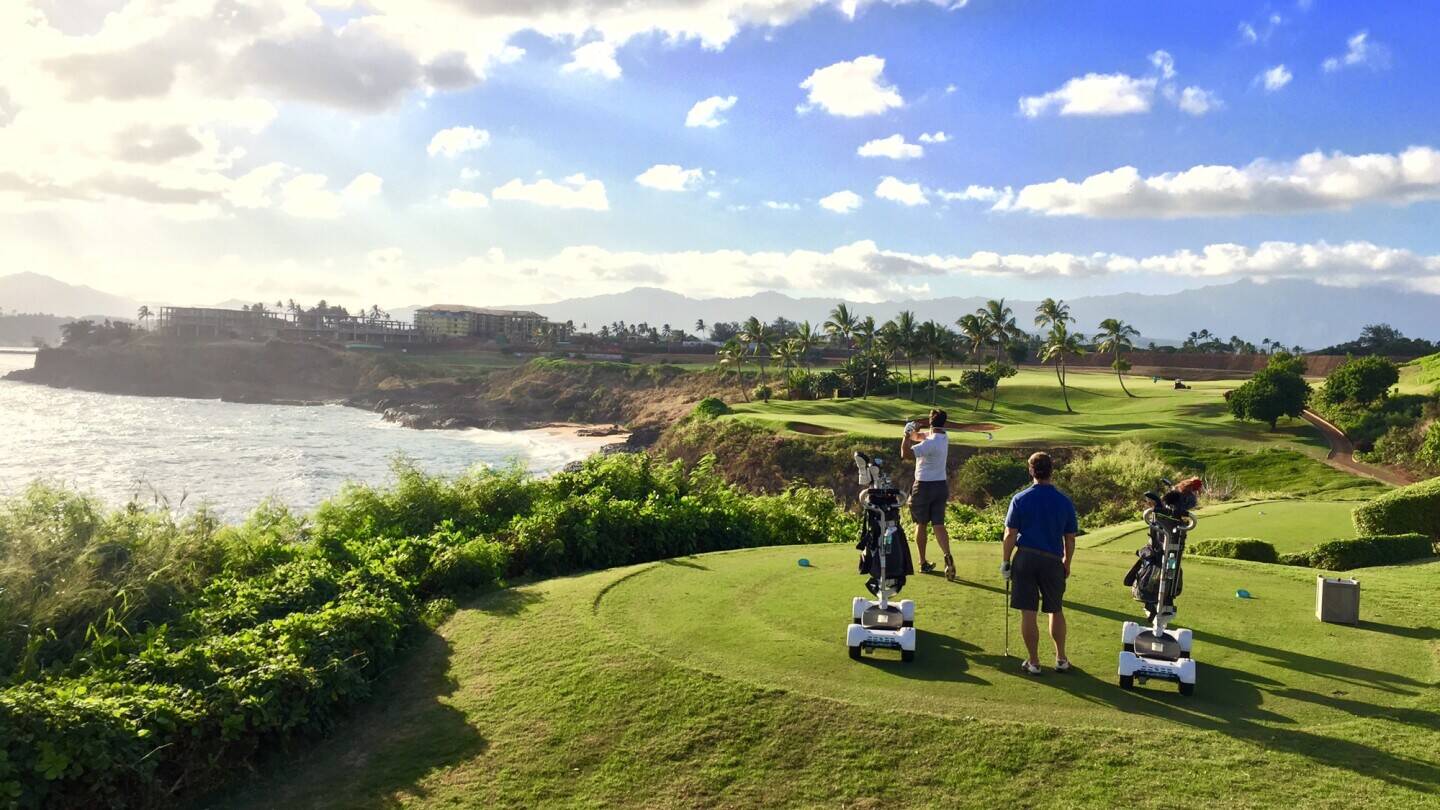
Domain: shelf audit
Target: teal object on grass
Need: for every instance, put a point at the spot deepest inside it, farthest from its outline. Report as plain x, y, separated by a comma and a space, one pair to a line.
804, 563
1242, 594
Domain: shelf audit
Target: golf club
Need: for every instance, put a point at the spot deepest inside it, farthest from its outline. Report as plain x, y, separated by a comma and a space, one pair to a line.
1007, 617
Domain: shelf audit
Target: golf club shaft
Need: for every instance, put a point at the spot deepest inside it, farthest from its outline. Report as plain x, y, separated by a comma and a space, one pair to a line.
1007, 617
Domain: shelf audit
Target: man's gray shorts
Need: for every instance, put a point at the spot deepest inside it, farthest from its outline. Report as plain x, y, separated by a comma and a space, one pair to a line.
1037, 581
927, 502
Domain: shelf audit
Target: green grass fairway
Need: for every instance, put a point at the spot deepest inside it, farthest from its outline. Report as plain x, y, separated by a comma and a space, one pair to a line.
1290, 526
1031, 410
723, 681
1420, 376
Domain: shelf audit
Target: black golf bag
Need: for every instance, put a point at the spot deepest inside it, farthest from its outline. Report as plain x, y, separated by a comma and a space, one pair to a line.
882, 508
1149, 569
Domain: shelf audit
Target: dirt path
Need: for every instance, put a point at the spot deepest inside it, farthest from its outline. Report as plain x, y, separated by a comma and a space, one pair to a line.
1342, 454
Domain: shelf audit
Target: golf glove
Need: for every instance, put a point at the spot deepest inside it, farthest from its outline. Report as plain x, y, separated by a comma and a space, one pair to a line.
1004, 570
909, 428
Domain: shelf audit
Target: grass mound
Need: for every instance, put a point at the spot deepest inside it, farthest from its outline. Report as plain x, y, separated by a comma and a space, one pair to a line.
722, 681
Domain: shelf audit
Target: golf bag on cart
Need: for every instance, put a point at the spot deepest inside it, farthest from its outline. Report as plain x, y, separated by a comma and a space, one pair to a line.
1155, 580
885, 562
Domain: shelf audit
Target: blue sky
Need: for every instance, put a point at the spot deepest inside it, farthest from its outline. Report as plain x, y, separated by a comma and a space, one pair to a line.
318, 94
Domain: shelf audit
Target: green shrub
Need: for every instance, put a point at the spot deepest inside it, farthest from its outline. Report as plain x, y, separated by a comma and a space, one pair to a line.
1108, 485
710, 407
1300, 558
763, 392
1415, 508
1236, 548
984, 477
242, 636
1360, 379
968, 524
1364, 552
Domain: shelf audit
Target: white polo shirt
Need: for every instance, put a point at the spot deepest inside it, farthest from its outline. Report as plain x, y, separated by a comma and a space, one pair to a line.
930, 457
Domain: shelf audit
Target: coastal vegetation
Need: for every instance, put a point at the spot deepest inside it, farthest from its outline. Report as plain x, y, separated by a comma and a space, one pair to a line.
146, 657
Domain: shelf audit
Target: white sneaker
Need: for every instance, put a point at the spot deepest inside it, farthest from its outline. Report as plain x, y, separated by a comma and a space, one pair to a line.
1029, 669
1062, 665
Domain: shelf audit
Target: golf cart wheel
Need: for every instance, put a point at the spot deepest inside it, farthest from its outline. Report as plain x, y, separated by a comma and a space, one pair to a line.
854, 621
855, 653
1184, 654
1127, 682
907, 624
907, 655
1187, 689
1130, 648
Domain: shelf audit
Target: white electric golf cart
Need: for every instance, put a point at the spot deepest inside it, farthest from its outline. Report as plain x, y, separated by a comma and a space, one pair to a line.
880, 624
1158, 652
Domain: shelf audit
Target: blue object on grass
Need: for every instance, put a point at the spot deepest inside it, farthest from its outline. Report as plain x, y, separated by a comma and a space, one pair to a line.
1242, 594
804, 563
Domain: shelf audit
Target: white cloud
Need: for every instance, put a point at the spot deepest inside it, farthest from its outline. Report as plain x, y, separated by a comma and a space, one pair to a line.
597, 58
670, 177
865, 271
841, 202
907, 194
461, 198
851, 89
575, 191
1275, 78
457, 141
933, 137
706, 113
1360, 51
1315, 181
308, 196
893, 147
1196, 101
1105, 94
1094, 94
469, 175
775, 206
1248, 33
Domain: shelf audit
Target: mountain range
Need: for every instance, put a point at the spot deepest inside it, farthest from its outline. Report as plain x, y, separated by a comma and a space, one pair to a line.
1291, 312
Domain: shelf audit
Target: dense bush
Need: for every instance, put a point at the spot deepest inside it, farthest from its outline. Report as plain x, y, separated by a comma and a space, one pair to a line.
1108, 485
1236, 548
1364, 552
157, 655
1273, 392
1415, 508
1360, 379
710, 407
986, 477
968, 524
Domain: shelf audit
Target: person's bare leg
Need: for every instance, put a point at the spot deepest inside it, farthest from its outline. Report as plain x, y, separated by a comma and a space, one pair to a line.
920, 537
1030, 632
1057, 634
942, 539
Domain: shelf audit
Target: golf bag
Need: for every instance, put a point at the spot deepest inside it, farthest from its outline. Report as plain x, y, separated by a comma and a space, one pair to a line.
882, 512
1149, 569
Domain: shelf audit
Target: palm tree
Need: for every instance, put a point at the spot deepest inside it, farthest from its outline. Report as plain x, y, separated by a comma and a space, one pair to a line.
142, 315
973, 330
933, 341
887, 345
731, 357
1114, 337
758, 337
1048, 314
1060, 343
999, 323
806, 340
841, 324
865, 335
788, 353
905, 330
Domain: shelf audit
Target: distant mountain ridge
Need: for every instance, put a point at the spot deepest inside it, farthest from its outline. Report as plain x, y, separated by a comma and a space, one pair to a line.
1292, 312
37, 294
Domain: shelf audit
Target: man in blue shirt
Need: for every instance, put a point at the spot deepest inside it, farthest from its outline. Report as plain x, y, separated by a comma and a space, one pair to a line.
1040, 531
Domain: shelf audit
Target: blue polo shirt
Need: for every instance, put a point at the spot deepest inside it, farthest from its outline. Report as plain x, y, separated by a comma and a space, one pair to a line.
1043, 515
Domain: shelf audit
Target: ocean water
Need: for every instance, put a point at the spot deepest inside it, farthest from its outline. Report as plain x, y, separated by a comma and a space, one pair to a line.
231, 456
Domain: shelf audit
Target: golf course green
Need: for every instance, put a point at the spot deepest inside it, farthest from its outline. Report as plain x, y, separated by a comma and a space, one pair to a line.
1289, 526
722, 680
1030, 409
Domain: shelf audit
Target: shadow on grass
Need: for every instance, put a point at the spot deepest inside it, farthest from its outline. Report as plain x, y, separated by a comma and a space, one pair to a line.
682, 562
1418, 633
506, 601
938, 657
1231, 701
375, 757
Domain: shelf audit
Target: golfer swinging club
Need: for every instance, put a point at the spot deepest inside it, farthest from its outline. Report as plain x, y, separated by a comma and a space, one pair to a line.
931, 491
1040, 533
